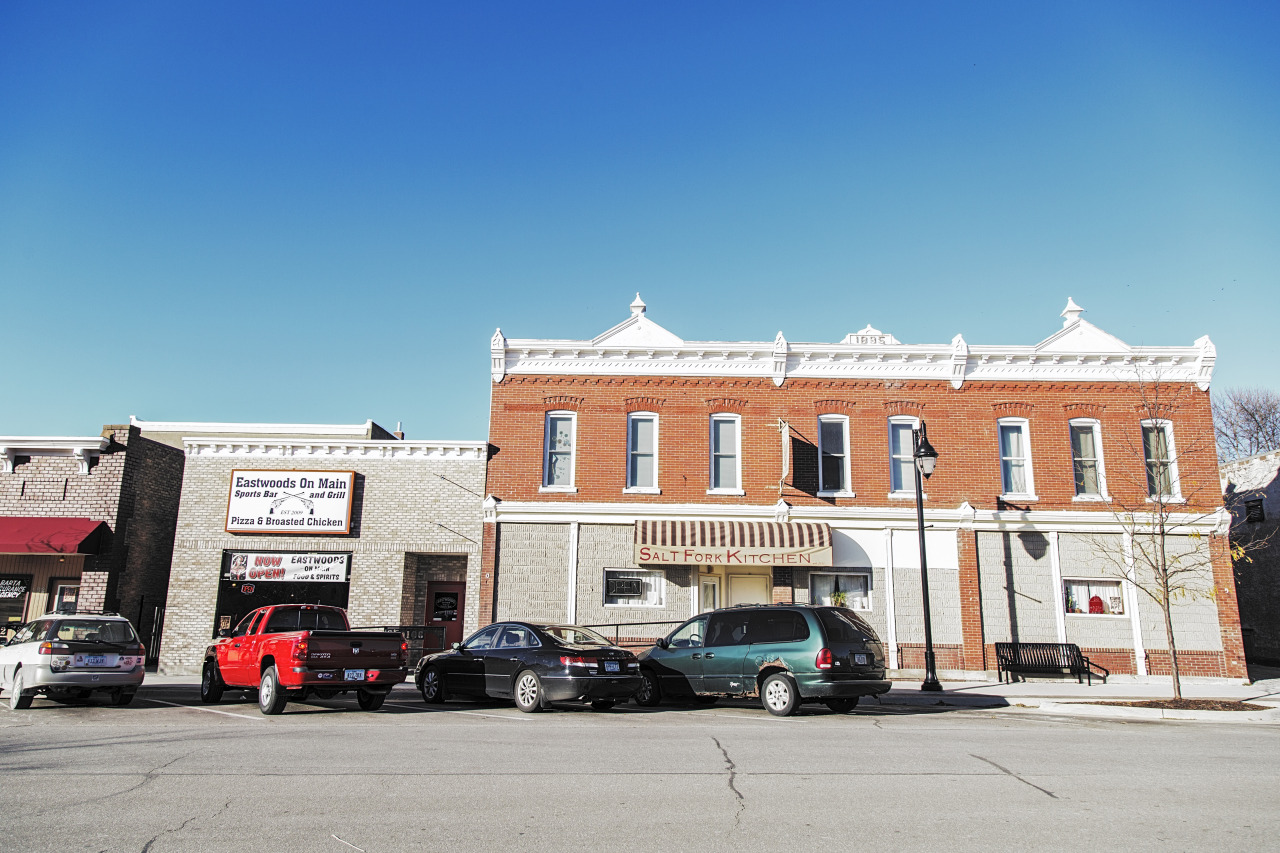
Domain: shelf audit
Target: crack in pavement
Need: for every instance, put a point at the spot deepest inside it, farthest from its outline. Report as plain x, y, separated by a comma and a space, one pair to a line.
146, 848
1008, 772
732, 769
147, 778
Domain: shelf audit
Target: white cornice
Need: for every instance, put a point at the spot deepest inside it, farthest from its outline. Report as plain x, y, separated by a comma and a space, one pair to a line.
81, 448
962, 517
215, 428
301, 448
1078, 352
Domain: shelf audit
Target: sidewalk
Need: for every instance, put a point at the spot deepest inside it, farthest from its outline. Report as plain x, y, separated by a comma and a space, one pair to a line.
1068, 697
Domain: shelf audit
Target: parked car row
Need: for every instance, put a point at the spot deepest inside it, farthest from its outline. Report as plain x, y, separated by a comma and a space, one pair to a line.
787, 655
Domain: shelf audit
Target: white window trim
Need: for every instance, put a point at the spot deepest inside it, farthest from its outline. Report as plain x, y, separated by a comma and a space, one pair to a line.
846, 492
840, 570
1124, 598
1174, 480
642, 490
1025, 425
604, 590
908, 493
711, 458
1103, 494
546, 452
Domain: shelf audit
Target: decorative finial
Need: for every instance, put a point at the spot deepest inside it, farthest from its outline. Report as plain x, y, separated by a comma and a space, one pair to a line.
637, 307
1071, 313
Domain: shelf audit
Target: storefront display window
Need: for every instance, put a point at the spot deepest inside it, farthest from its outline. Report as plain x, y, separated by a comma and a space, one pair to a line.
634, 587
1093, 597
841, 590
14, 590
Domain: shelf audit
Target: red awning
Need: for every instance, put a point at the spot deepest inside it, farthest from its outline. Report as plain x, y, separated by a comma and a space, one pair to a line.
23, 535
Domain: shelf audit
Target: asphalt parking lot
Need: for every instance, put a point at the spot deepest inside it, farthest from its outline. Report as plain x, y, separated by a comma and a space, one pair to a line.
169, 774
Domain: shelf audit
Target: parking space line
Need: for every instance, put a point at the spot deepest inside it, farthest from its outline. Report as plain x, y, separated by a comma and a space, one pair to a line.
198, 708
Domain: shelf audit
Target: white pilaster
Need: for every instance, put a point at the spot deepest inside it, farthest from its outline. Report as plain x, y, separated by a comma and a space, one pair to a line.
890, 613
571, 600
1055, 571
1131, 601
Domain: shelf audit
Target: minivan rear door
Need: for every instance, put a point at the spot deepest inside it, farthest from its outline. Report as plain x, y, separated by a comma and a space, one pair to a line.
778, 639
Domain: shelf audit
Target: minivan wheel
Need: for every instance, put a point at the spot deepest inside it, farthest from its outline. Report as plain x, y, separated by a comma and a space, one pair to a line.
779, 695
648, 695
841, 706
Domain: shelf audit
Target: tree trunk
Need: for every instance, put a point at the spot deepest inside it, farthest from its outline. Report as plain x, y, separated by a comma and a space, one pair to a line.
1173, 649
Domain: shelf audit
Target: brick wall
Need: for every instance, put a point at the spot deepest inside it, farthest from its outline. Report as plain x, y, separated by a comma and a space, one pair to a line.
399, 507
962, 426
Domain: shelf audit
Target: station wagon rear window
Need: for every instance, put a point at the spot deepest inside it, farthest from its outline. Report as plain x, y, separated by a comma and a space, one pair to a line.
95, 630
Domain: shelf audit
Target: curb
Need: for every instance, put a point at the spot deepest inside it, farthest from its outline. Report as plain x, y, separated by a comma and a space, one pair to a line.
1033, 704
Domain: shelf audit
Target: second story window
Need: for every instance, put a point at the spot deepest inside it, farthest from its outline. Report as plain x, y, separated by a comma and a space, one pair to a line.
726, 459
557, 468
833, 451
901, 460
1157, 447
1015, 458
1086, 459
642, 451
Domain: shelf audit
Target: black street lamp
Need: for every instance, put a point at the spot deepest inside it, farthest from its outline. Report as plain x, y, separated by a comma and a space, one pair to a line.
925, 458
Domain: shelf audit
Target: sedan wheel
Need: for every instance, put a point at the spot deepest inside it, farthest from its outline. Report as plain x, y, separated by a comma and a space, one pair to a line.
779, 696
528, 692
432, 687
17, 701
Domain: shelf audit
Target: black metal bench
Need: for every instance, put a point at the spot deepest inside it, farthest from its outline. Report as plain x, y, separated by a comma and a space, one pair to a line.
1023, 659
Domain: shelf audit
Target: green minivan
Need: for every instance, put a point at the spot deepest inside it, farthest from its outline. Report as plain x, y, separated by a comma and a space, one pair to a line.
787, 654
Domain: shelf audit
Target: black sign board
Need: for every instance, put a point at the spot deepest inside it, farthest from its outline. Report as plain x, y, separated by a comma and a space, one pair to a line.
624, 587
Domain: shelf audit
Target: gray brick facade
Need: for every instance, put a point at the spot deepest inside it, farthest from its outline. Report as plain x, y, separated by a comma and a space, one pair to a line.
415, 517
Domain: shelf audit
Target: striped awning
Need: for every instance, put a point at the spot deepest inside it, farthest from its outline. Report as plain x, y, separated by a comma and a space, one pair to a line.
729, 543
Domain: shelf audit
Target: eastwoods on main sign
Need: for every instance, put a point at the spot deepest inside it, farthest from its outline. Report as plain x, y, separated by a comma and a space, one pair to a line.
311, 502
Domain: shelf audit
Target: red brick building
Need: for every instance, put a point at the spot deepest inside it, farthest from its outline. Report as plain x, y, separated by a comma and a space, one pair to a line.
636, 477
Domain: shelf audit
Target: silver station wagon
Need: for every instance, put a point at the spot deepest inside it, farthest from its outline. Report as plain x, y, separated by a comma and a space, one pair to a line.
68, 657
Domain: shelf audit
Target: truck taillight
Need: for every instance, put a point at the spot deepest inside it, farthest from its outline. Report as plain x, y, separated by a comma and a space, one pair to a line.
301, 649
404, 649
823, 660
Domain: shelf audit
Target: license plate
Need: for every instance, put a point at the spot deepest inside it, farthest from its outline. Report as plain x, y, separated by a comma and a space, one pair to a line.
611, 666
95, 660
353, 675
862, 660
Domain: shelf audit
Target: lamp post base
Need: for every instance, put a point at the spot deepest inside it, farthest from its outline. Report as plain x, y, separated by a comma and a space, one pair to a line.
931, 687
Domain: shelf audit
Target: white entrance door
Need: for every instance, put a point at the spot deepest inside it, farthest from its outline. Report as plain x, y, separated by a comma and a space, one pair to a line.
709, 594
750, 589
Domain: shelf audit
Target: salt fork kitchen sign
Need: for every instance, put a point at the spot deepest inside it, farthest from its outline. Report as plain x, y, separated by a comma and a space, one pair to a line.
308, 502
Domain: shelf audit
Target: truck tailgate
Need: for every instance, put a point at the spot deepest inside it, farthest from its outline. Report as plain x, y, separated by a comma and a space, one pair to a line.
362, 649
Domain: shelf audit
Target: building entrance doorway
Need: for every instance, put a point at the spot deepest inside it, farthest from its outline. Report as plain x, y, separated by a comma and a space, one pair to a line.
750, 589
446, 602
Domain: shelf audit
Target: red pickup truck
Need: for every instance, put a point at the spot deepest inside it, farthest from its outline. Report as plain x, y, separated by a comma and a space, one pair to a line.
295, 651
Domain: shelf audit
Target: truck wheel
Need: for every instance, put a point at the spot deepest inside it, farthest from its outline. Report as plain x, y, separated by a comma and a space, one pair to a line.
17, 701
841, 706
432, 686
271, 699
211, 685
528, 692
779, 695
370, 701
648, 695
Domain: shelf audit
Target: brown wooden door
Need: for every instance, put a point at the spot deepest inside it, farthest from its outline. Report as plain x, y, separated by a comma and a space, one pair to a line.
445, 606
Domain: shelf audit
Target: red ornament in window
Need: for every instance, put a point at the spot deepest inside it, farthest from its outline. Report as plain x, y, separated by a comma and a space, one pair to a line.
1095, 605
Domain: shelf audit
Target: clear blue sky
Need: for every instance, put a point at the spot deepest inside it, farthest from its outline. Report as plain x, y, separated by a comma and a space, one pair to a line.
319, 212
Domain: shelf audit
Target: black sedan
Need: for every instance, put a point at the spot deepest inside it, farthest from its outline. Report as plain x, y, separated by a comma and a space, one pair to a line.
534, 664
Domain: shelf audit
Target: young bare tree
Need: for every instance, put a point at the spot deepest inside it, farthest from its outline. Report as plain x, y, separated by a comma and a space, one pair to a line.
1247, 422
1164, 494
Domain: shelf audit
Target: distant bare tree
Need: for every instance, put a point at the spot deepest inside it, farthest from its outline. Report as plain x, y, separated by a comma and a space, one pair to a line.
1247, 421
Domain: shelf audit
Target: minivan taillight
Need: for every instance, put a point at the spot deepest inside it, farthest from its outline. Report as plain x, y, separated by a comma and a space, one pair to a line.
823, 660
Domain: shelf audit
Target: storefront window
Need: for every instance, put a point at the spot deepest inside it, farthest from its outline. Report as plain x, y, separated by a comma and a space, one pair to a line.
841, 590
634, 587
1093, 597
13, 598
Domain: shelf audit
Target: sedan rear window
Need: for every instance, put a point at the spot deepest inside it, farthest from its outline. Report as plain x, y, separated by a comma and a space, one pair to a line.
844, 626
96, 631
575, 636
